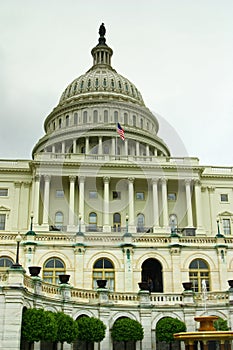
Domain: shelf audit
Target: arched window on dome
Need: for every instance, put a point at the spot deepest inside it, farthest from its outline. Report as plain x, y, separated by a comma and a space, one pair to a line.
198, 274
75, 118
147, 126
141, 123
81, 85
67, 120
119, 85
125, 118
59, 220
54, 125
59, 123
52, 268
134, 120
95, 116
112, 84
105, 116
84, 117
115, 117
103, 269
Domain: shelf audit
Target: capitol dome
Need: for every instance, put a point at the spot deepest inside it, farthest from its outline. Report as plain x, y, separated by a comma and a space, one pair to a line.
92, 105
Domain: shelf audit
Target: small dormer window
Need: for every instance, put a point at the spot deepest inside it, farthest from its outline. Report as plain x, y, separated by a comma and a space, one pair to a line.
106, 116
75, 86
104, 82
59, 123
81, 85
97, 82
119, 84
67, 120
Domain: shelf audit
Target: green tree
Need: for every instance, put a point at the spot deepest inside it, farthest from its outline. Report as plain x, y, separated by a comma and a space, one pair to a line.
125, 329
37, 325
91, 329
166, 327
67, 328
221, 325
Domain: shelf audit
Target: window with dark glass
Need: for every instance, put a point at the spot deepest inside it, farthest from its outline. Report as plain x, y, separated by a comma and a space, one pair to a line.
3, 192
199, 274
116, 195
2, 221
53, 267
140, 196
67, 120
224, 197
171, 196
103, 269
5, 262
226, 223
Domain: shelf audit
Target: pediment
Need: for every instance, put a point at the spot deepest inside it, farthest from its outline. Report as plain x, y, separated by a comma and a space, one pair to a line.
225, 213
3, 208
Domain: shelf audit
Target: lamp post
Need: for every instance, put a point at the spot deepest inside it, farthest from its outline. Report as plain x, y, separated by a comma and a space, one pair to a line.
79, 233
17, 265
127, 222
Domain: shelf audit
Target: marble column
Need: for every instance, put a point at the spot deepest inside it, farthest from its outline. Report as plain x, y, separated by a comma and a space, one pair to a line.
106, 226
36, 199
74, 146
71, 226
132, 227
126, 147
87, 145
100, 148
81, 201
189, 202
198, 205
155, 204
164, 202
47, 179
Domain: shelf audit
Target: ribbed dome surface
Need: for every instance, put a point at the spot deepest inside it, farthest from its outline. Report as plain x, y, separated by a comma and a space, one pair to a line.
102, 80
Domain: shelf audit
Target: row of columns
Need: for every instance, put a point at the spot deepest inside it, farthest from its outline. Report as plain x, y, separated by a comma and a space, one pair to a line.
106, 202
114, 146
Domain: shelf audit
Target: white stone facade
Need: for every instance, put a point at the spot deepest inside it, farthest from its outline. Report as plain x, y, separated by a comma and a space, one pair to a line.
87, 197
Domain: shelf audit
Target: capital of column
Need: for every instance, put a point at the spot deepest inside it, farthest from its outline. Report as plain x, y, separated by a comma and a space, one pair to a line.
163, 180
187, 182
106, 179
37, 177
154, 181
81, 179
72, 178
26, 184
211, 189
47, 178
197, 182
131, 179
17, 184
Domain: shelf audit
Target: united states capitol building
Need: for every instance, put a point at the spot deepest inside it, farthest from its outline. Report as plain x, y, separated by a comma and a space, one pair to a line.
96, 207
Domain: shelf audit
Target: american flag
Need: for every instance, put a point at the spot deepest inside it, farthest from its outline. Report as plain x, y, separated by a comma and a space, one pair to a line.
121, 131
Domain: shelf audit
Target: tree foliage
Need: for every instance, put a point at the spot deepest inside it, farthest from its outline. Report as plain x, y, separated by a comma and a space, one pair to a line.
221, 325
38, 324
67, 328
91, 329
125, 329
167, 326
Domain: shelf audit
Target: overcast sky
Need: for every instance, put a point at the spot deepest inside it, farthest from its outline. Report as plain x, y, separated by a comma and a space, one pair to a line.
178, 53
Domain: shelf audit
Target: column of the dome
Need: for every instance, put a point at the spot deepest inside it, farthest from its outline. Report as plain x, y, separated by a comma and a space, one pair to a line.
155, 205
100, 148
53, 148
132, 227
164, 203
126, 147
106, 226
71, 226
137, 148
36, 200
198, 204
63, 147
87, 145
113, 150
45, 222
155, 152
81, 201
188, 203
74, 146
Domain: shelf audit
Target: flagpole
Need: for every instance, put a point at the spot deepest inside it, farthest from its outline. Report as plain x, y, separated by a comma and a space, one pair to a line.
116, 148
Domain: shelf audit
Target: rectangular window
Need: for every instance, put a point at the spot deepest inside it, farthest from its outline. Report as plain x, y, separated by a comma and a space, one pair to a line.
93, 194
226, 226
59, 193
116, 195
224, 197
3, 192
140, 196
171, 196
2, 221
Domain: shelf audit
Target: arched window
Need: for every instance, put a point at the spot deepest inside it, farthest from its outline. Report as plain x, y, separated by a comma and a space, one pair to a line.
103, 269
92, 221
140, 222
75, 118
5, 262
134, 120
67, 120
59, 220
54, 125
59, 123
95, 116
52, 268
105, 116
199, 272
115, 117
117, 222
141, 123
84, 117
125, 118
